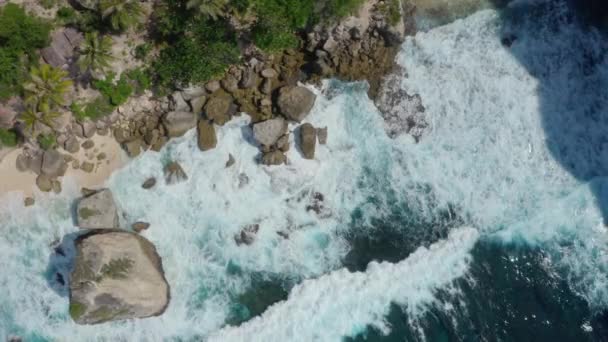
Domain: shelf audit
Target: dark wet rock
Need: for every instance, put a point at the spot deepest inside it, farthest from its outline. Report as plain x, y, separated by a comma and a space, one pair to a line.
174, 173
308, 140
295, 103
230, 161
44, 183
117, 275
274, 158
207, 138
149, 183
178, 123
247, 235
87, 192
268, 132
97, 211
140, 226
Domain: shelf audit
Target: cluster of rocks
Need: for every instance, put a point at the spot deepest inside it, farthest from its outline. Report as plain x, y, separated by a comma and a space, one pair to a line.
358, 48
48, 165
117, 274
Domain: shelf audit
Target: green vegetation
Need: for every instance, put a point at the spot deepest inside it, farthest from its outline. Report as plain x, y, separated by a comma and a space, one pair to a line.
139, 79
392, 10
31, 116
94, 110
211, 9
143, 50
67, 16
116, 268
20, 36
47, 141
46, 88
77, 310
121, 14
8, 138
95, 53
117, 92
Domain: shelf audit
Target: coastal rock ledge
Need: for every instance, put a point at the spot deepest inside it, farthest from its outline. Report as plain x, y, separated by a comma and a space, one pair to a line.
117, 275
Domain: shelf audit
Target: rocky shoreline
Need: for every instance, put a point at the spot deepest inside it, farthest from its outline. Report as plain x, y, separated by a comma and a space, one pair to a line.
268, 88
265, 87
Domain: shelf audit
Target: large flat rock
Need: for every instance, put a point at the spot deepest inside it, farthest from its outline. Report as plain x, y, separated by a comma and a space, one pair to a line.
117, 275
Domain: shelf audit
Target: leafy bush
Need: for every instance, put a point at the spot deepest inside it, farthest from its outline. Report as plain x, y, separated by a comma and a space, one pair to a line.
143, 50
8, 138
20, 36
118, 92
342, 8
139, 79
47, 141
67, 16
197, 56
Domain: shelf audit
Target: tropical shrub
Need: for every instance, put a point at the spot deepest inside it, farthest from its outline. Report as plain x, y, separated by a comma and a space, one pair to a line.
8, 138
46, 88
94, 110
139, 79
95, 53
117, 92
31, 116
20, 37
47, 141
143, 50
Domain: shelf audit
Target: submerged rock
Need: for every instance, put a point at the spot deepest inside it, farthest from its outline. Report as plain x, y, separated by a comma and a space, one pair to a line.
308, 140
174, 173
295, 102
97, 211
247, 235
117, 275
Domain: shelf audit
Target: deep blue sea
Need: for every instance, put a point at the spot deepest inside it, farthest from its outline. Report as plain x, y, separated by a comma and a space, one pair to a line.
489, 225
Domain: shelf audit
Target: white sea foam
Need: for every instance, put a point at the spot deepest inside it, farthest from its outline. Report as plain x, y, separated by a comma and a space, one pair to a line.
343, 304
517, 134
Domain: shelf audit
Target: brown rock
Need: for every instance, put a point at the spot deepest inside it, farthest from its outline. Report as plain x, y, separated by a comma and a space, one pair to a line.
220, 109
247, 234
140, 226
308, 140
44, 183
283, 143
88, 144
207, 139
269, 73
87, 167
274, 158
133, 147
174, 173
71, 145
295, 103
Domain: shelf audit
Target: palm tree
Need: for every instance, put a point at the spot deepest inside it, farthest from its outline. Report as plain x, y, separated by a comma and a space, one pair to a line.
122, 13
31, 116
209, 8
46, 88
95, 53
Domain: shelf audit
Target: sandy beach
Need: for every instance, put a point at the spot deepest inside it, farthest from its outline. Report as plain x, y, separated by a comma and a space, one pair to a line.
13, 180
